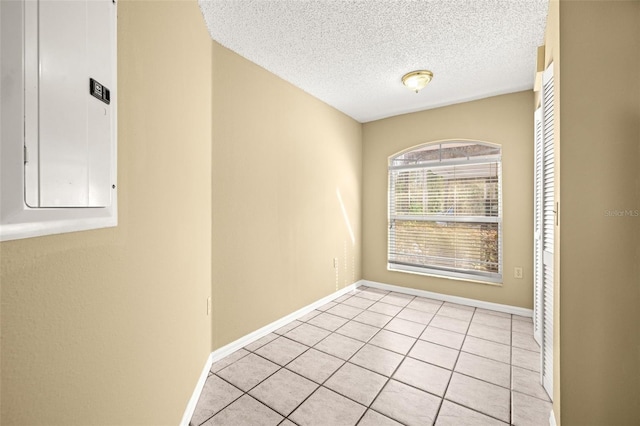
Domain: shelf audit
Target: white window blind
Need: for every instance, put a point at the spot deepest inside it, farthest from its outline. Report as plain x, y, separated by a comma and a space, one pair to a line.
445, 211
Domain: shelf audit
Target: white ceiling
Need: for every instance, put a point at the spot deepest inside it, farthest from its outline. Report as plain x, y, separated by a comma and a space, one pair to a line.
352, 54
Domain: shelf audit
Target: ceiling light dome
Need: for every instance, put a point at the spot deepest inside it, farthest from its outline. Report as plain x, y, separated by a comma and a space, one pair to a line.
417, 80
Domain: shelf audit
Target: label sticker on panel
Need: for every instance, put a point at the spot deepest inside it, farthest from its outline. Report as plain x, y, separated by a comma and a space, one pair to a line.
99, 91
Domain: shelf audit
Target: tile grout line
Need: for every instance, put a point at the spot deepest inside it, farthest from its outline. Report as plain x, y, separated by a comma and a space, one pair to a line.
229, 383
453, 371
453, 368
220, 410
367, 407
284, 367
407, 356
331, 375
321, 384
364, 343
510, 346
479, 338
280, 367
404, 357
449, 347
511, 371
388, 379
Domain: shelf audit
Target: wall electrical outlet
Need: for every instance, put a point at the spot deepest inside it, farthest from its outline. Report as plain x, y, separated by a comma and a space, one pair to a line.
517, 272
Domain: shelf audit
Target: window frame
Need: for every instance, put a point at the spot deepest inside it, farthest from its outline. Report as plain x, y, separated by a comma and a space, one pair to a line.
484, 277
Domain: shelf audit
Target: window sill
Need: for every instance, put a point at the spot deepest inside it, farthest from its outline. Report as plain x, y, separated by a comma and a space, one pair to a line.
446, 275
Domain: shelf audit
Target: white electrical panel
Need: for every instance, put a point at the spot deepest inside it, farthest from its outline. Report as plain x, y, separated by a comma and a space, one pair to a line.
68, 129
59, 130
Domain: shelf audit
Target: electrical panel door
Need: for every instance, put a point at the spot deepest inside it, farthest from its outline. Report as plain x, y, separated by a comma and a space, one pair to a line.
69, 103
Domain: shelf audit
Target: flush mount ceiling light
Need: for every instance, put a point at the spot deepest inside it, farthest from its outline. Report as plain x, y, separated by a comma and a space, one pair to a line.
417, 80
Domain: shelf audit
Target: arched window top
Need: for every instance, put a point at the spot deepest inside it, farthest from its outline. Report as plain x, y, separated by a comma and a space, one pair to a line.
453, 151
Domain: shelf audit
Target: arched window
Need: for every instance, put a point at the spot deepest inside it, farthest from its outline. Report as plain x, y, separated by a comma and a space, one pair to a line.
445, 210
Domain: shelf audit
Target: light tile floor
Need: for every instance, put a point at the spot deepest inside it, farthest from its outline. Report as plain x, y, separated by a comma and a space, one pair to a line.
374, 357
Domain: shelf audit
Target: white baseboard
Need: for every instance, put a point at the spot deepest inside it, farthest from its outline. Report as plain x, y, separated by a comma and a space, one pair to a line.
453, 299
252, 337
191, 405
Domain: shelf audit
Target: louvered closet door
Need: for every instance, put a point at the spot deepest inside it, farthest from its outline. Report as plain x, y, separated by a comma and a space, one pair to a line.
538, 270
548, 229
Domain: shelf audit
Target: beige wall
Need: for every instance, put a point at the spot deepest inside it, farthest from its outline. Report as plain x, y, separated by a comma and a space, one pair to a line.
280, 158
600, 254
109, 327
506, 120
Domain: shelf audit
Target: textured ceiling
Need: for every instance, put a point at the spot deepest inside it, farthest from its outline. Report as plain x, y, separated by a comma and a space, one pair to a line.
352, 54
